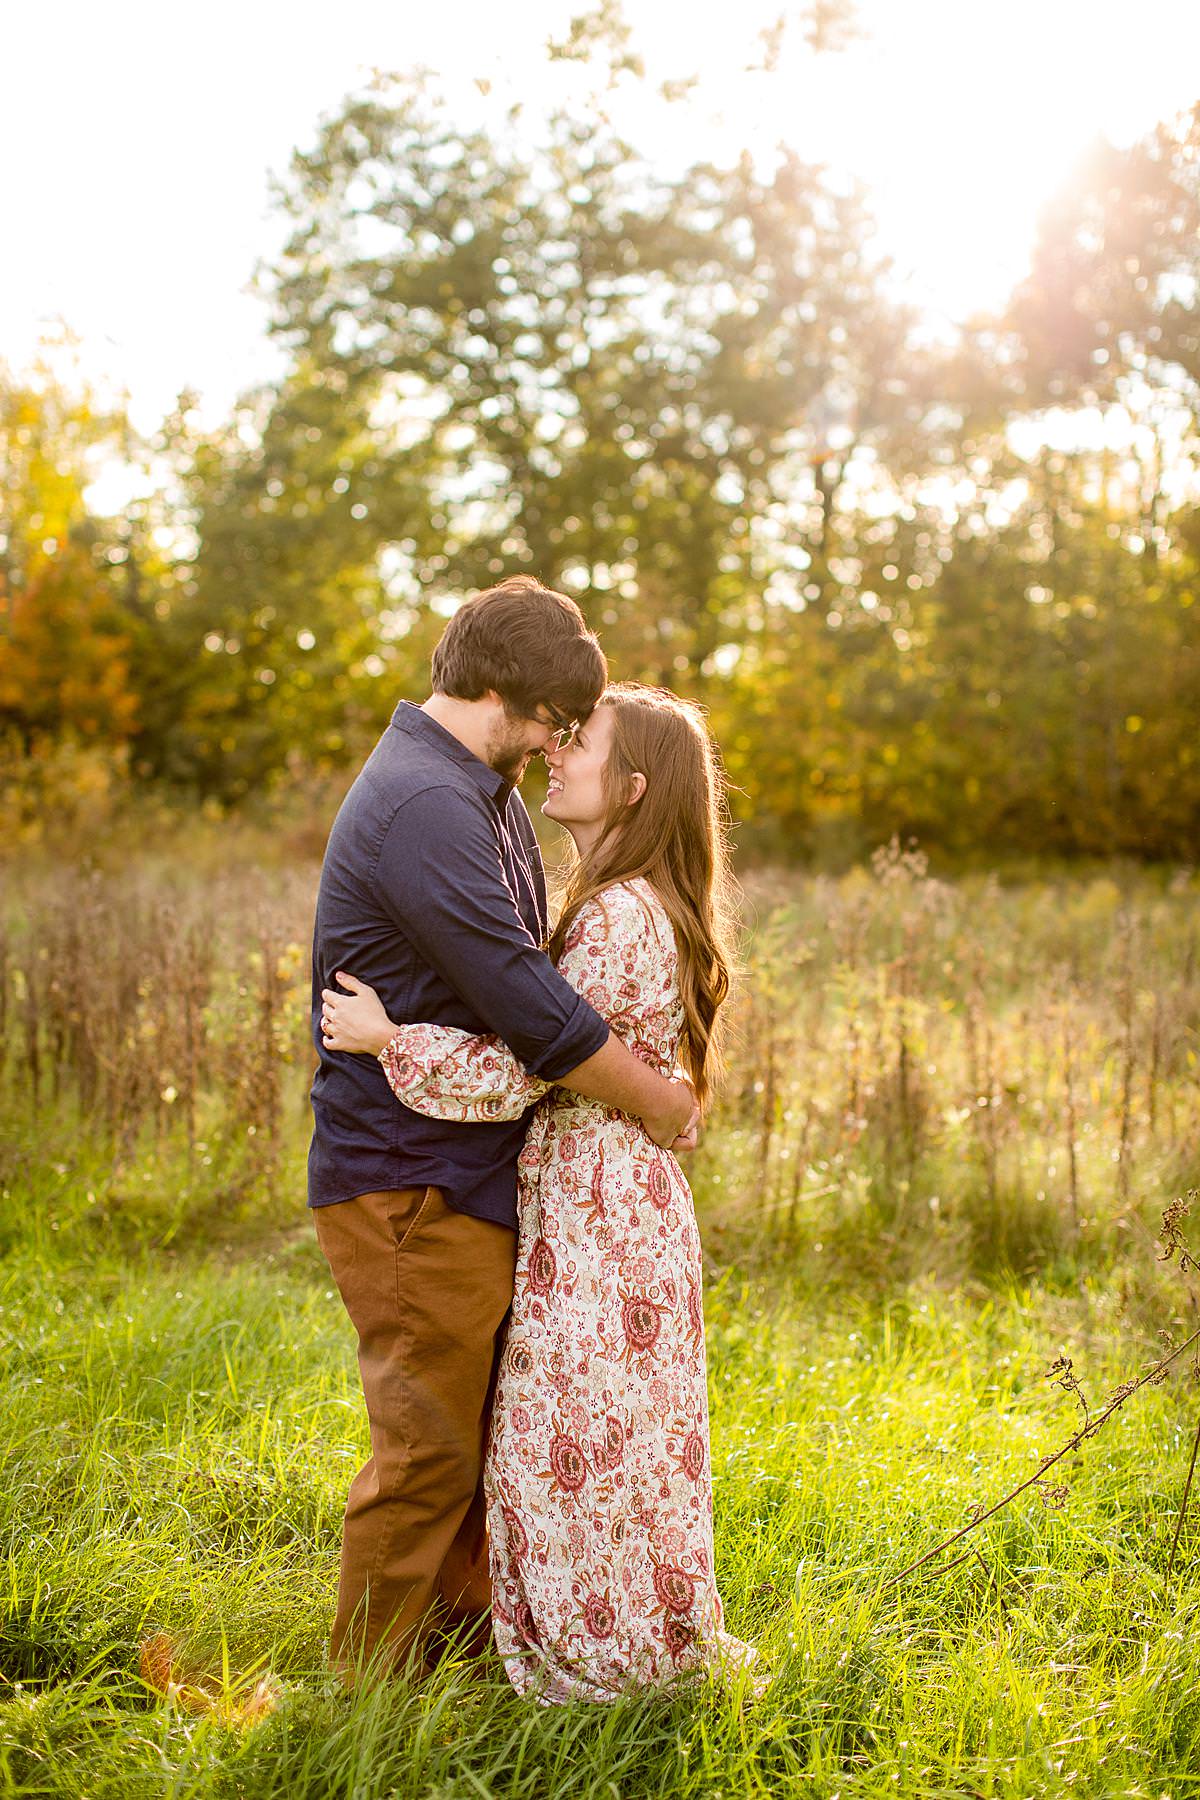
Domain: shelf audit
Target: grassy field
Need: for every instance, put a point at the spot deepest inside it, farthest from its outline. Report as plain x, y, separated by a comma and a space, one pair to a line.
955, 1114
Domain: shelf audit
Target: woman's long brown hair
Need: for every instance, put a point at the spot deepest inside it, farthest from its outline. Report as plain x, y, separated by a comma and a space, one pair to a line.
676, 837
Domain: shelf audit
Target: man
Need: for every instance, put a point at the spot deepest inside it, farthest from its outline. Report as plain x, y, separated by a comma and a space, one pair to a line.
433, 891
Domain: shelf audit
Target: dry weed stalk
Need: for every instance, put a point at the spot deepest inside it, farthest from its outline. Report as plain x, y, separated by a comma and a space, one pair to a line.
1187, 1488
1128, 1057
1072, 1119
1061, 1373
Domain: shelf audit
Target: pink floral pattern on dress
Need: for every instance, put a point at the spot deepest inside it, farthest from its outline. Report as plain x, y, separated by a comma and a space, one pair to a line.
597, 1474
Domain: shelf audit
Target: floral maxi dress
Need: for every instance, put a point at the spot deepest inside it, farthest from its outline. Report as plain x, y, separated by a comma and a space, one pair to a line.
597, 1474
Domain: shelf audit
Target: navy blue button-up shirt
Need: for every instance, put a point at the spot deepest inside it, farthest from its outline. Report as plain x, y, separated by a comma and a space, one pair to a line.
433, 891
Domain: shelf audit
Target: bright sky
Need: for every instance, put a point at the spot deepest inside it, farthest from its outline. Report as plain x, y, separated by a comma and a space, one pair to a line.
136, 140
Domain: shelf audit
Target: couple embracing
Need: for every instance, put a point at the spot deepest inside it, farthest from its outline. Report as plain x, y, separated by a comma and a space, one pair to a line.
492, 1175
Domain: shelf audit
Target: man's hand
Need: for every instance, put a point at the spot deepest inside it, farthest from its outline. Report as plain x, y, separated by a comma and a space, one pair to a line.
687, 1140
615, 1077
677, 1119
689, 1137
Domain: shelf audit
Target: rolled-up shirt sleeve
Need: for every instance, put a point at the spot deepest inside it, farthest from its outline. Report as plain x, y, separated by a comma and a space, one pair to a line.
440, 875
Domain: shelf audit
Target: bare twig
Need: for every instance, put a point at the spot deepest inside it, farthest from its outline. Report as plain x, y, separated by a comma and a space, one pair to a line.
1187, 1488
1062, 1373
1117, 1400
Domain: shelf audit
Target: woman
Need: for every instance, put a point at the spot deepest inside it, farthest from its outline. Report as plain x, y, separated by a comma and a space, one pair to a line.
597, 1477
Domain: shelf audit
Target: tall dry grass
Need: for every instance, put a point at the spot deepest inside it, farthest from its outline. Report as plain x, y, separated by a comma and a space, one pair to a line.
1003, 1073
154, 1025
991, 1075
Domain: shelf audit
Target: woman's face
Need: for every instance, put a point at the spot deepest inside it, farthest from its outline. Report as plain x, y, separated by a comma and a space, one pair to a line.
576, 797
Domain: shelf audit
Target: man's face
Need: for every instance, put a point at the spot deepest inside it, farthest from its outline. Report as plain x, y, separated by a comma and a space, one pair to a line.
514, 742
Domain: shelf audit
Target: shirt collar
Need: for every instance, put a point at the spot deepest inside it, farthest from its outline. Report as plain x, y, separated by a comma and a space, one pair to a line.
409, 718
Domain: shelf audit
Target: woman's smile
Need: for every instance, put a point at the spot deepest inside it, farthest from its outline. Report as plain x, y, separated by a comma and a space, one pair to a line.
581, 803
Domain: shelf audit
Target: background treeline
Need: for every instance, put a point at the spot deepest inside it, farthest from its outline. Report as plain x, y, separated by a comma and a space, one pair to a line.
693, 399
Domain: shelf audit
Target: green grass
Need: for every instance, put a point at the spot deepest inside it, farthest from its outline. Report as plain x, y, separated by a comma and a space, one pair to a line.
954, 1115
180, 1430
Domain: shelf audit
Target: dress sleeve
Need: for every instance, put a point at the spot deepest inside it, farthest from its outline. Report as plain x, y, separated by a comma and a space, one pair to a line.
449, 1074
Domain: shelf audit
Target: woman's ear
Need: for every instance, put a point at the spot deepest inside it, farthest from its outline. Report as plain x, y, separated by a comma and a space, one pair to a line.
637, 787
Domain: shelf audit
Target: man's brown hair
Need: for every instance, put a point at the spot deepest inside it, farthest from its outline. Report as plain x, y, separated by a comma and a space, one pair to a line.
526, 643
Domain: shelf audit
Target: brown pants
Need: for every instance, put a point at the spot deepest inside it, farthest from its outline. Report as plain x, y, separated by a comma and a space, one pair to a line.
428, 1291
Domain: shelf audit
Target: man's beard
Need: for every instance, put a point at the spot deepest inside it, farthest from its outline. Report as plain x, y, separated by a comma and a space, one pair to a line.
508, 758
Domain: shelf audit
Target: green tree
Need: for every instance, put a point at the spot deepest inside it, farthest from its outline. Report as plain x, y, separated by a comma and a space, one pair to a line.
618, 376
284, 620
